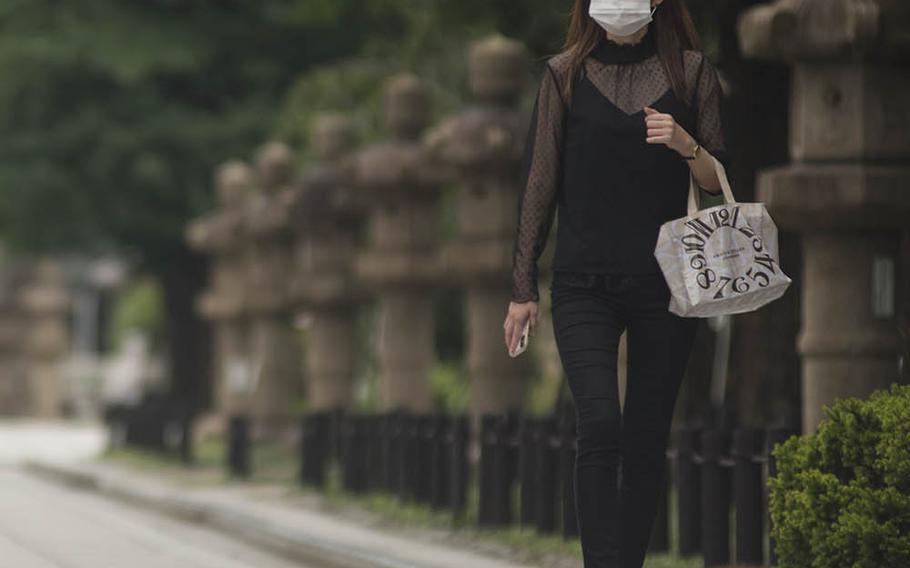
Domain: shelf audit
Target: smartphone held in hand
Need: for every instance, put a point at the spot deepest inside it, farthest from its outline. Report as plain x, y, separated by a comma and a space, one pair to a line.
522, 341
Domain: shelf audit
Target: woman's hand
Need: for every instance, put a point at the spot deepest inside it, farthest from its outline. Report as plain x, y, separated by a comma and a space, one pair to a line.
515, 322
663, 129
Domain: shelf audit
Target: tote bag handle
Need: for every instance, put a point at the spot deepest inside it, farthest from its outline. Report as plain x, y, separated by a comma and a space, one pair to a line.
724, 184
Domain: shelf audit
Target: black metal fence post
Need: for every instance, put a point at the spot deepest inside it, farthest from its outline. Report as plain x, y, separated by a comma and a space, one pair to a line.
335, 424
503, 467
688, 490
390, 454
527, 456
353, 458
407, 455
424, 432
317, 440
374, 449
549, 496
567, 453
774, 437
460, 432
187, 449
439, 451
486, 511
715, 492
660, 535
747, 482
238, 454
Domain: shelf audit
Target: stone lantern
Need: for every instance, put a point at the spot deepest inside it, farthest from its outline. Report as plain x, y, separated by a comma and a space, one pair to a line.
219, 235
847, 190
399, 267
325, 215
45, 304
480, 149
274, 346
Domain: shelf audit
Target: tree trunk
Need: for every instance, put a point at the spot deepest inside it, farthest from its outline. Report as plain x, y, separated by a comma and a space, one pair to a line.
188, 338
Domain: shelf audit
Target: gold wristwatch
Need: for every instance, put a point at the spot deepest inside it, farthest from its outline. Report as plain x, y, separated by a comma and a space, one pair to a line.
694, 152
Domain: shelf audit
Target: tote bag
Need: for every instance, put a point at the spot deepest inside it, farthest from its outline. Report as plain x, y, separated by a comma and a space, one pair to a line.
720, 260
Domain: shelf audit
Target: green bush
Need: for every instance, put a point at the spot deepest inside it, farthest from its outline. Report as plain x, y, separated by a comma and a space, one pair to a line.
841, 496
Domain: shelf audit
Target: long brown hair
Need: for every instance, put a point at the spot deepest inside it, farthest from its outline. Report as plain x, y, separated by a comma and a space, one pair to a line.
674, 29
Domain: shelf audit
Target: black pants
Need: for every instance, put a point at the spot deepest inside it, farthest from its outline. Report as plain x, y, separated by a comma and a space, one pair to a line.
616, 509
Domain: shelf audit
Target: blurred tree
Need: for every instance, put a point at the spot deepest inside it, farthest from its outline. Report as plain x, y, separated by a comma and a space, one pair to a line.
114, 112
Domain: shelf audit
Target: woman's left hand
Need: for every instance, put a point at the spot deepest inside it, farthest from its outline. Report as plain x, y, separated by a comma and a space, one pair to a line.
663, 129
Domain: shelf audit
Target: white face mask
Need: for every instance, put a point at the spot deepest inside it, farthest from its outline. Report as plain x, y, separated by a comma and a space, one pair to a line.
621, 17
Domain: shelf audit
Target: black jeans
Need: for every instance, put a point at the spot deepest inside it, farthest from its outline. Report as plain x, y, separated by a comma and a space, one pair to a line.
616, 509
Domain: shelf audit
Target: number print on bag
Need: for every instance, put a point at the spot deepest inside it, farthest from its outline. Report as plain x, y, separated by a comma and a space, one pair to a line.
695, 243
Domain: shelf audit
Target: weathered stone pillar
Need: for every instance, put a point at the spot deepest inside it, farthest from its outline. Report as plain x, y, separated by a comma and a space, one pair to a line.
480, 148
219, 235
45, 303
848, 188
325, 214
400, 266
273, 342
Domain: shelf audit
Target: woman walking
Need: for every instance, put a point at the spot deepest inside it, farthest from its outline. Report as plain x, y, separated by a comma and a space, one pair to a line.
624, 114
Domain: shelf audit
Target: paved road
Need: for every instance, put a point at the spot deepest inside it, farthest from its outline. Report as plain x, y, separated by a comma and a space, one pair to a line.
43, 525
59, 441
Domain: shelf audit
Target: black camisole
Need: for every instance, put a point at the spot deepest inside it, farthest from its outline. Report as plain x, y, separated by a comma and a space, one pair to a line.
587, 163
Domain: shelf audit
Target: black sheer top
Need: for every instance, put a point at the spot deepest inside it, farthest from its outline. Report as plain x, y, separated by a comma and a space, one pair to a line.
587, 159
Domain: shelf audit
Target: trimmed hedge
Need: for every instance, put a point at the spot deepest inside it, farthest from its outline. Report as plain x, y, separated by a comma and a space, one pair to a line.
841, 496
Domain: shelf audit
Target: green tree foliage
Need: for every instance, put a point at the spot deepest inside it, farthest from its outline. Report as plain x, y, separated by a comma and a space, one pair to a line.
428, 38
140, 309
113, 112
842, 495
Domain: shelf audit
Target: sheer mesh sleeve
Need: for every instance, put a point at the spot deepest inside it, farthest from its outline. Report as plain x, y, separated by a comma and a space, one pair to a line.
710, 131
537, 201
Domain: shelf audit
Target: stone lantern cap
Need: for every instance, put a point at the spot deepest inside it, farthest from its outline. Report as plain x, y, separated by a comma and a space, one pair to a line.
478, 140
497, 69
333, 135
267, 216
817, 196
323, 201
46, 299
274, 166
406, 106
46, 295
220, 230
824, 29
392, 172
385, 269
216, 233
198, 234
233, 183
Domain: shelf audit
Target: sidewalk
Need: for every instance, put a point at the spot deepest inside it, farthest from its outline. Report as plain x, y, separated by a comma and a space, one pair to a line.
268, 519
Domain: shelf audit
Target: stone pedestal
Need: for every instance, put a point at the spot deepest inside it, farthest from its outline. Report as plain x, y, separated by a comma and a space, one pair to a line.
223, 302
400, 267
847, 190
325, 215
480, 148
274, 348
45, 304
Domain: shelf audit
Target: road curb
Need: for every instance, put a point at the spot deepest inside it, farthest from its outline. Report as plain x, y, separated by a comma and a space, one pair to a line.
243, 526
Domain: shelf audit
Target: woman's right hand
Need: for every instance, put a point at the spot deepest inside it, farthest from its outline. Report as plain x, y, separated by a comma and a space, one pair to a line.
515, 322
